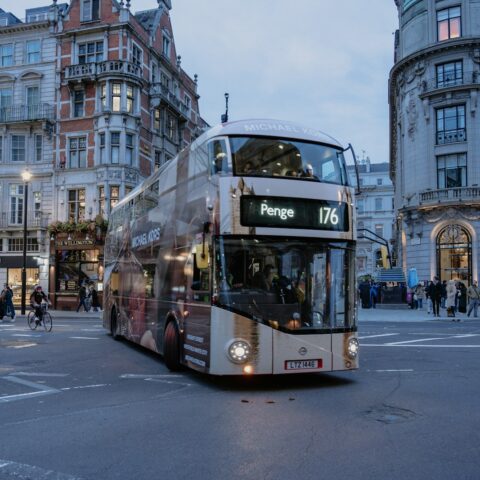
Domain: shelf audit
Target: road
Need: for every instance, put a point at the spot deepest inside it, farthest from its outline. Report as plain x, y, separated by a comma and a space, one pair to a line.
77, 405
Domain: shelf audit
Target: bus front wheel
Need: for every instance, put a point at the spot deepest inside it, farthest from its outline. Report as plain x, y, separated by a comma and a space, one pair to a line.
171, 347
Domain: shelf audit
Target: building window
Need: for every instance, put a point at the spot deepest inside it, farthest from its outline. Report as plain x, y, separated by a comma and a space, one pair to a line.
33, 51
166, 45
448, 23
449, 74
452, 170
116, 96
38, 148
16, 204
361, 206
136, 55
129, 148
6, 55
171, 128
379, 181
78, 103
1, 149
451, 125
36, 17
77, 152
115, 146
165, 81
103, 96
90, 10
409, 3
130, 99
76, 205
379, 229
454, 254
101, 200
18, 148
90, 52
102, 148
158, 160
156, 119
37, 205
114, 195
379, 204
6, 95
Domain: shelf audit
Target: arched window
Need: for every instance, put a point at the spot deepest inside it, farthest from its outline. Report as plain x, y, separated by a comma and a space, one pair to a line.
454, 254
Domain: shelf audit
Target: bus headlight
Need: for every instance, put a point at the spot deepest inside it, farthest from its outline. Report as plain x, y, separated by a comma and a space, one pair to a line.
239, 351
352, 348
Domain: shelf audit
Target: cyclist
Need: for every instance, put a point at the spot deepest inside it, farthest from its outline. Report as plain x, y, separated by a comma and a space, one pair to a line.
36, 299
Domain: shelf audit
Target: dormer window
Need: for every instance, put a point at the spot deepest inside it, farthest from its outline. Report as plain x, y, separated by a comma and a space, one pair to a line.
166, 44
90, 10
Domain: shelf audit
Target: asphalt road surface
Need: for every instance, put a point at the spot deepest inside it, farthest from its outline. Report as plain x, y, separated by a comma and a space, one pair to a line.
75, 404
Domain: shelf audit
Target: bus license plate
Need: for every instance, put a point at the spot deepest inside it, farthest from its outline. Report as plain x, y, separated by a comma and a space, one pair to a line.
303, 364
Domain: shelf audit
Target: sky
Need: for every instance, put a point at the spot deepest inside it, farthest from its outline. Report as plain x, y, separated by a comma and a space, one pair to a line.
322, 63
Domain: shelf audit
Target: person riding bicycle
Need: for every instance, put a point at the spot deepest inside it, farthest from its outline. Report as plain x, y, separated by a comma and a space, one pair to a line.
36, 299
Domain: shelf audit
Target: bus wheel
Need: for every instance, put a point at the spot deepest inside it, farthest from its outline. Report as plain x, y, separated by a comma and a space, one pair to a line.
114, 325
171, 347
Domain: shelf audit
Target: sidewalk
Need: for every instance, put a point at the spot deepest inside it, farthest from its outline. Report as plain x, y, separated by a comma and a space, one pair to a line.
407, 315
73, 315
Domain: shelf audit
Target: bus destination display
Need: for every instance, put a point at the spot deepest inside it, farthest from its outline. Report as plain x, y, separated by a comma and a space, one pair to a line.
280, 212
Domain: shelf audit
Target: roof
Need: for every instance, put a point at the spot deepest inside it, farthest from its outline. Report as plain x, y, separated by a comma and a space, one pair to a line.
394, 274
149, 19
271, 128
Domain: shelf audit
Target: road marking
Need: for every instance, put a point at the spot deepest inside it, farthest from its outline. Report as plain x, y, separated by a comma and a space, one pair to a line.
25, 345
39, 389
138, 375
414, 341
32, 374
85, 338
418, 346
399, 370
85, 386
382, 335
22, 470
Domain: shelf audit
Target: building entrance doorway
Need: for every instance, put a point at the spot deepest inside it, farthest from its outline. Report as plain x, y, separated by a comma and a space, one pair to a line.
454, 254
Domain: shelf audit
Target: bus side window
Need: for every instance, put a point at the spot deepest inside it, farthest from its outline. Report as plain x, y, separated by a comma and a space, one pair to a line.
200, 282
217, 154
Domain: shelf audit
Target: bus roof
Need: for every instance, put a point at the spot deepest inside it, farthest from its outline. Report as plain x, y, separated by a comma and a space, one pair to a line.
269, 128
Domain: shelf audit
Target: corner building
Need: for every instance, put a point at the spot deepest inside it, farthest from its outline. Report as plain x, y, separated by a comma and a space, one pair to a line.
435, 137
125, 106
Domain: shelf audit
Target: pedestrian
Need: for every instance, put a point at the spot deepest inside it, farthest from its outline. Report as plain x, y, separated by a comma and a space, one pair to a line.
435, 294
7, 298
462, 297
420, 295
451, 299
373, 294
82, 296
444, 294
473, 293
94, 297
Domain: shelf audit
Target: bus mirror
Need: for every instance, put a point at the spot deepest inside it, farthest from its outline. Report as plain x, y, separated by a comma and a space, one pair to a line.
201, 256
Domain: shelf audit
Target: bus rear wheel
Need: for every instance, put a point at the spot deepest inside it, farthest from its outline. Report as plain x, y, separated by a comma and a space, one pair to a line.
171, 347
114, 325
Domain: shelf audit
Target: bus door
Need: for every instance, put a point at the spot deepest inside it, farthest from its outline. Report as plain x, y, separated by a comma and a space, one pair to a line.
197, 307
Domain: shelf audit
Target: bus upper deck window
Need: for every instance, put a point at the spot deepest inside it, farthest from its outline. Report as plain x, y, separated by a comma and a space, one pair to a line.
217, 152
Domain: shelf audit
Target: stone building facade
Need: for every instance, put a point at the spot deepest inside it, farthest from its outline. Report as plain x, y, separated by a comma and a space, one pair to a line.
119, 106
435, 141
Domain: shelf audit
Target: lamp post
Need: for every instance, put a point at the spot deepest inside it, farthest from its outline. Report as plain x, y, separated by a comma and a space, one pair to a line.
26, 176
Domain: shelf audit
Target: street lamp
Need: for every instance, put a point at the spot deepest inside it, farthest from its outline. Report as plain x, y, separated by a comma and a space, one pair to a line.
26, 176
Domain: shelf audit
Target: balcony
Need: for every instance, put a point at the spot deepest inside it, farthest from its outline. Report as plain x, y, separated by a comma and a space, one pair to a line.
450, 195
27, 113
451, 136
163, 93
454, 81
35, 220
94, 71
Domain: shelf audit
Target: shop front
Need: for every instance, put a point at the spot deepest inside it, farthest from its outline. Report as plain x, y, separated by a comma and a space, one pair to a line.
11, 269
75, 260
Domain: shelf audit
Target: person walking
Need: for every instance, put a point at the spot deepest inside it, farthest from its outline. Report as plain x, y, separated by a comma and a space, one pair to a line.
444, 294
82, 296
94, 296
7, 298
451, 299
473, 294
420, 295
462, 298
373, 294
435, 294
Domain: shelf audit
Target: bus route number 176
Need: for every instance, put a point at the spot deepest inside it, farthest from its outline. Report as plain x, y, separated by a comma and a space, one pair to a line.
328, 215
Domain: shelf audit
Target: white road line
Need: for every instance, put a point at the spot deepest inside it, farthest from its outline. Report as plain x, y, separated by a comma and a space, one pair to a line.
39, 389
22, 470
137, 375
382, 335
85, 338
85, 386
418, 346
400, 370
415, 341
33, 374
25, 345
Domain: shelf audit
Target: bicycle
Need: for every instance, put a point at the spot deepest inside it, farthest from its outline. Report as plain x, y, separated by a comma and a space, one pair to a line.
33, 321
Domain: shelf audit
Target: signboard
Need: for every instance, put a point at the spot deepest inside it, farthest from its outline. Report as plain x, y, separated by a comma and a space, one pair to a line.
277, 212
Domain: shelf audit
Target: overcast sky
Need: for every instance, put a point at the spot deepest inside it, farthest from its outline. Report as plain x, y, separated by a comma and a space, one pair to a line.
323, 63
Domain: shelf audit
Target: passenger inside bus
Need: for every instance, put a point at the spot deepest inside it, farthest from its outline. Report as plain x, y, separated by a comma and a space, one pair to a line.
264, 279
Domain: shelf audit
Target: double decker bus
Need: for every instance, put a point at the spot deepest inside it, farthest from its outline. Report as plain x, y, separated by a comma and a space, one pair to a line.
237, 256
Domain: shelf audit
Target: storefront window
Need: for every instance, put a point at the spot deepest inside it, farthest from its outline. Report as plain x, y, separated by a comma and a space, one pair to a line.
76, 267
14, 279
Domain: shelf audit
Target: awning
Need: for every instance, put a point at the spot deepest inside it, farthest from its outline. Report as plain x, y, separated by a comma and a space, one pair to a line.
394, 274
